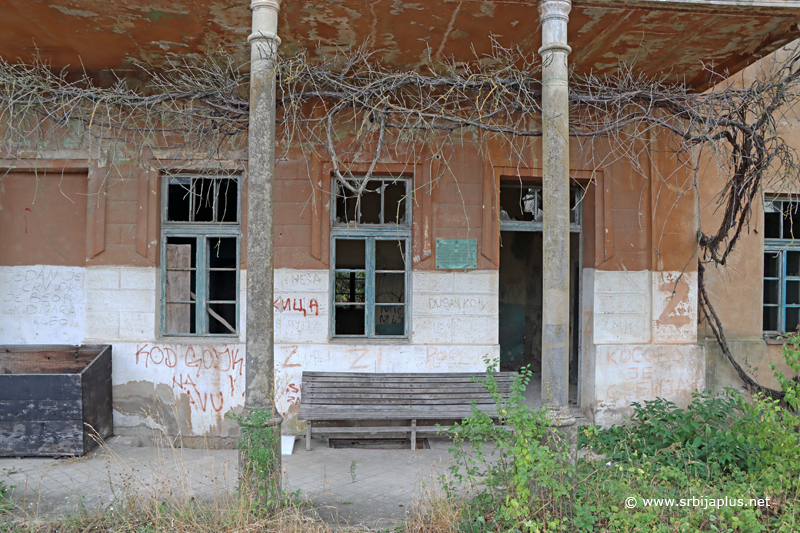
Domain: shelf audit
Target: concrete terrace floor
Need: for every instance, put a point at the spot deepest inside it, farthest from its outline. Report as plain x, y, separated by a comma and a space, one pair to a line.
368, 488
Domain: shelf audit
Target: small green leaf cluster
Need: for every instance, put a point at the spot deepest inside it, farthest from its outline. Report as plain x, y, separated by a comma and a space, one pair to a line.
6, 501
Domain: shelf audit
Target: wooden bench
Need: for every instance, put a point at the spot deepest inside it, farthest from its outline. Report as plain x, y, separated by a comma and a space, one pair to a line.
328, 396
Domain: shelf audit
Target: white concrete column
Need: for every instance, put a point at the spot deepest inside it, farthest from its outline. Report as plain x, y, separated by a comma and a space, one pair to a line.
264, 41
554, 16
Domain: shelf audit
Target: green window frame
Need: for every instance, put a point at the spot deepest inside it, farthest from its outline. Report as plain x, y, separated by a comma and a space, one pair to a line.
781, 289
200, 255
370, 260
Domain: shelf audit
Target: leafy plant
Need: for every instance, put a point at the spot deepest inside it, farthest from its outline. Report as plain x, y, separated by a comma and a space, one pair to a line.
6, 501
521, 464
259, 456
702, 439
790, 387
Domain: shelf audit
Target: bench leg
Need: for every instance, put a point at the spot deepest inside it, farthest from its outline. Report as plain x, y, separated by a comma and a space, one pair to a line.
413, 434
308, 435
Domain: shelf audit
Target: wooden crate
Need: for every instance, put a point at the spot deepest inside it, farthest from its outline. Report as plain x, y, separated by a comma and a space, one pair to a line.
54, 400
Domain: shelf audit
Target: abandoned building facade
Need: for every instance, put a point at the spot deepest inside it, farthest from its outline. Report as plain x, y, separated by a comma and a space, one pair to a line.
436, 267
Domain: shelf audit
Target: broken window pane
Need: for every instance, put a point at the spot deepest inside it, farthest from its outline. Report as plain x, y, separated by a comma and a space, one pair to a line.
350, 320
770, 265
390, 255
771, 291
792, 319
793, 264
351, 253
222, 318
179, 205
792, 296
772, 220
394, 209
770, 319
203, 197
370, 205
201, 299
382, 202
790, 214
221, 301
227, 200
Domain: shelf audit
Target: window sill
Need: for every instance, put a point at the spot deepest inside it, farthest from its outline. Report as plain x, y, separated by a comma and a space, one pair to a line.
187, 339
776, 339
373, 340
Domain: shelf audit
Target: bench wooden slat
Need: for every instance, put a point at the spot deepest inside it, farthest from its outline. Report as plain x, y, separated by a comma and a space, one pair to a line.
328, 396
465, 395
416, 375
373, 430
404, 386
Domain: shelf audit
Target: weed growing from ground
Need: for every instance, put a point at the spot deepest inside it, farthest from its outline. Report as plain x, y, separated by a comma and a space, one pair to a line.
259, 443
520, 466
6, 502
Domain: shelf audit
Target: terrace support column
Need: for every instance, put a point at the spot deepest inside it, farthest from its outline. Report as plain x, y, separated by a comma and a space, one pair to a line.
554, 15
259, 379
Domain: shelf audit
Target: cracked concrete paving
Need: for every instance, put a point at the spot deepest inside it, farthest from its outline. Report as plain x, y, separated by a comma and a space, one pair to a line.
369, 488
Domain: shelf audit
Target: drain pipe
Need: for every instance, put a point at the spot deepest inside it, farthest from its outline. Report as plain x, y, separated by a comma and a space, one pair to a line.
554, 15
259, 375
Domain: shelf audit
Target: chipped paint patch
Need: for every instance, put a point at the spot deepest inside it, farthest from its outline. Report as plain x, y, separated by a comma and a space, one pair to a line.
74, 12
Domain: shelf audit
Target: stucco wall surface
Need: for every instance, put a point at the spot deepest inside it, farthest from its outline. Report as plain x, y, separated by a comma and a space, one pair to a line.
642, 337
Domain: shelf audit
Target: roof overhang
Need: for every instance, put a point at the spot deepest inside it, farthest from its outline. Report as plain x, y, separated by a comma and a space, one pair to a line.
681, 39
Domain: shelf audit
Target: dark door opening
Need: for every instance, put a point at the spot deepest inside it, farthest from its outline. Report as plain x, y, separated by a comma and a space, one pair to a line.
521, 303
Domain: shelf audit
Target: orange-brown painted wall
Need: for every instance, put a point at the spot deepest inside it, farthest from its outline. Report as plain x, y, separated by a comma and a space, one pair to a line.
43, 218
633, 218
736, 289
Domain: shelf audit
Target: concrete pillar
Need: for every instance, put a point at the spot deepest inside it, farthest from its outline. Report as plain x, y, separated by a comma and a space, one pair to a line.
259, 379
554, 15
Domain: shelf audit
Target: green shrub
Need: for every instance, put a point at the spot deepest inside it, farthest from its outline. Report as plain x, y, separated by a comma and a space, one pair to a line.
521, 465
716, 448
703, 439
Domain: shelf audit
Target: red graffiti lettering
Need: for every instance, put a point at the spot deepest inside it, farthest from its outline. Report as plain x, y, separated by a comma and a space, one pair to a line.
221, 402
142, 350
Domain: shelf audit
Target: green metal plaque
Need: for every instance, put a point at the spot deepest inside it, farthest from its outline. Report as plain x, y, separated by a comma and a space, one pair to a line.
456, 254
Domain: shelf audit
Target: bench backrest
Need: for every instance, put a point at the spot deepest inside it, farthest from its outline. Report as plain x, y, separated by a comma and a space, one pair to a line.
378, 396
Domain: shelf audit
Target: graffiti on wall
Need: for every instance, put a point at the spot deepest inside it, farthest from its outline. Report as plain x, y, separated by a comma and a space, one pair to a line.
308, 306
211, 376
644, 372
42, 304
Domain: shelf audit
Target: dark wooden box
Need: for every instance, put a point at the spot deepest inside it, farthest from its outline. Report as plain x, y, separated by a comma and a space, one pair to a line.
54, 400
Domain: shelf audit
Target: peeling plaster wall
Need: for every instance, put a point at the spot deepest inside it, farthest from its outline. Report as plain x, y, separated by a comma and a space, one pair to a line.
176, 387
185, 387
640, 342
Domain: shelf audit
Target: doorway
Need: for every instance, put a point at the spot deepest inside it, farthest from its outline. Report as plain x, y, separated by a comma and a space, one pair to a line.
520, 290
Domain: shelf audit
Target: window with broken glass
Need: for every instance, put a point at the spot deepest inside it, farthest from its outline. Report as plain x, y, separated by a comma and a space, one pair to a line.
781, 266
521, 207
370, 243
200, 250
